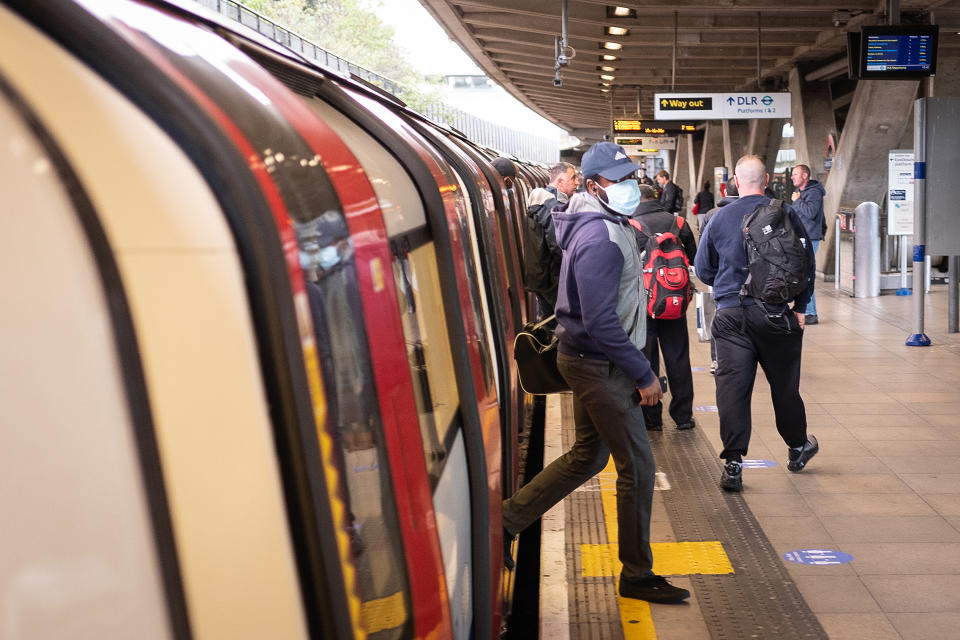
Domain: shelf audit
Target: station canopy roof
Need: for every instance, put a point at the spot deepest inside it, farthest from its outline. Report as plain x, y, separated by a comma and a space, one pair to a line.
717, 44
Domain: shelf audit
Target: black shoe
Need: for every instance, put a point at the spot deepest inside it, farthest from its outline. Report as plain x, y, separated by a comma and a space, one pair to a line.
507, 555
732, 477
810, 319
654, 427
799, 458
713, 368
653, 589
689, 424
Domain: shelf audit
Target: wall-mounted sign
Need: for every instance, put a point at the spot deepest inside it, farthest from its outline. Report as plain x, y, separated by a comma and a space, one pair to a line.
721, 106
900, 192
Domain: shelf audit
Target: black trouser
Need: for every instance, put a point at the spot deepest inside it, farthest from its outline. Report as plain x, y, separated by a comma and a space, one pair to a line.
607, 422
674, 342
746, 336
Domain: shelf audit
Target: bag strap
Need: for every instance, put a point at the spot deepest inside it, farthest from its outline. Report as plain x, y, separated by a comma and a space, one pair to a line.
543, 322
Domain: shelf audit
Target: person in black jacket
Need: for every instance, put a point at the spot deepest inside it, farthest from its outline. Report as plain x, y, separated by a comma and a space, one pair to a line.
749, 331
703, 202
669, 193
541, 253
668, 336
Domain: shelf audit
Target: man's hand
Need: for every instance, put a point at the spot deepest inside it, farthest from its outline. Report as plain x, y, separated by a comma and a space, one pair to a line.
650, 396
796, 196
801, 318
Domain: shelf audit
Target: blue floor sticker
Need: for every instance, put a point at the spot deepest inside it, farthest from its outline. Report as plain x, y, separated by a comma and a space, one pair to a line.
708, 407
698, 368
758, 464
818, 556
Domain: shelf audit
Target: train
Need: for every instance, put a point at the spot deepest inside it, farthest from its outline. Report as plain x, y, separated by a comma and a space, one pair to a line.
257, 373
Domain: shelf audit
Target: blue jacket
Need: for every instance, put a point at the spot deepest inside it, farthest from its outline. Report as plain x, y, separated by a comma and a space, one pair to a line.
809, 206
600, 313
722, 258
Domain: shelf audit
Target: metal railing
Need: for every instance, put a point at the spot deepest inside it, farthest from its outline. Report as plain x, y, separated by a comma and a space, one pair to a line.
506, 140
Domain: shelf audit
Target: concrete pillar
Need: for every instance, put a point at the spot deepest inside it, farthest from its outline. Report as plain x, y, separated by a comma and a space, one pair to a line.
860, 166
946, 84
812, 115
727, 150
711, 154
768, 149
680, 171
739, 141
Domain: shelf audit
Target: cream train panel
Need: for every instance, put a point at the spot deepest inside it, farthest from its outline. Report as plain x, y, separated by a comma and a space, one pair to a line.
185, 286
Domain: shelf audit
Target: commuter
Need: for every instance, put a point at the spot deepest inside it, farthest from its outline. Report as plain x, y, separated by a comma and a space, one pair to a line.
731, 194
749, 331
668, 336
600, 333
644, 178
507, 171
704, 200
541, 254
808, 203
579, 178
671, 196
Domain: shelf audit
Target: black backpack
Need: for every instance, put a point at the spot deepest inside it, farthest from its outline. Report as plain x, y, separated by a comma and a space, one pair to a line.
677, 200
538, 267
779, 268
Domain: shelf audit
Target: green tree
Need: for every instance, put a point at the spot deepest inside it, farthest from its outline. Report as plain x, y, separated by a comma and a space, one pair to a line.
352, 30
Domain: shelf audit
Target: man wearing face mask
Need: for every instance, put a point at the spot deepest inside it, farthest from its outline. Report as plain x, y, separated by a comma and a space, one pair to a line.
601, 320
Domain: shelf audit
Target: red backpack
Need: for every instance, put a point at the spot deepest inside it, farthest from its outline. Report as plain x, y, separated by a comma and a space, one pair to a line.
666, 272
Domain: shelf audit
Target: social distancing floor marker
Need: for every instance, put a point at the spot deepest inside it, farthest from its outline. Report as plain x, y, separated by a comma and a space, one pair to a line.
669, 558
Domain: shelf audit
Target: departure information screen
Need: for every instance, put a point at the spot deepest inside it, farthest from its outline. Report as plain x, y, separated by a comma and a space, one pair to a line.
895, 52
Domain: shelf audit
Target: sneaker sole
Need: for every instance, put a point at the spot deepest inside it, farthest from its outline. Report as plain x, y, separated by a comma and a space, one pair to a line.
797, 467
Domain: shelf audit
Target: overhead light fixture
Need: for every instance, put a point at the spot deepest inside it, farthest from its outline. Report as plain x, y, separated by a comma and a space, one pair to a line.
604, 84
608, 57
605, 68
621, 12
617, 31
604, 90
612, 46
604, 76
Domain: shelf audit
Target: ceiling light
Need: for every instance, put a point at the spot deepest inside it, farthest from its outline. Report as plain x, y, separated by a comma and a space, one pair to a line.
604, 76
613, 46
608, 57
604, 90
605, 84
605, 68
617, 31
621, 11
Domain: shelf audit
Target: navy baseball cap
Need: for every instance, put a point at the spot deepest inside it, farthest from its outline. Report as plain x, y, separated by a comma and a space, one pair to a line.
607, 160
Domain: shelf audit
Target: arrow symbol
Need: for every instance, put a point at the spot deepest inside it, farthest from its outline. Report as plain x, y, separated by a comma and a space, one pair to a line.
663, 102
730, 101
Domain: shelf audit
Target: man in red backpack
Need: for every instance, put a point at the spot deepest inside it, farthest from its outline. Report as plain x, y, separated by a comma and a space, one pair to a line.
666, 327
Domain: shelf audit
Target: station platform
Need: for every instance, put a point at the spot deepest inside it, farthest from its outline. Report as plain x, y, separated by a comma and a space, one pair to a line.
874, 519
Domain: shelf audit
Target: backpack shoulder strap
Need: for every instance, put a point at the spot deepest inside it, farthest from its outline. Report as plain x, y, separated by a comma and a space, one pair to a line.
679, 222
636, 225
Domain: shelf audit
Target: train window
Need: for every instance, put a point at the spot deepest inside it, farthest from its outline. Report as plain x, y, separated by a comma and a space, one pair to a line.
419, 296
78, 536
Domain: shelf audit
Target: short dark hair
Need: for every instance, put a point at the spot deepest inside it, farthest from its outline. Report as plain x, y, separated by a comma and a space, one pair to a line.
706, 186
732, 187
504, 167
804, 168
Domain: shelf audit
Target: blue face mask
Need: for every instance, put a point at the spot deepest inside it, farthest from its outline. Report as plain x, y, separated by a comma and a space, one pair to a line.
622, 197
325, 259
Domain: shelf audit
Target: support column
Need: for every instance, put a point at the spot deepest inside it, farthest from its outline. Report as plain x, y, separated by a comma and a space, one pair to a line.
768, 149
711, 155
812, 115
680, 171
739, 141
860, 166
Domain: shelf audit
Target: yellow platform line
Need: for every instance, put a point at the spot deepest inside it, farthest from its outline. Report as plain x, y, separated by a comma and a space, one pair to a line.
669, 558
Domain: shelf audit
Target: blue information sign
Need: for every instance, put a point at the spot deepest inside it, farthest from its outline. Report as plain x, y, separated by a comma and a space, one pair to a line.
709, 407
758, 464
818, 556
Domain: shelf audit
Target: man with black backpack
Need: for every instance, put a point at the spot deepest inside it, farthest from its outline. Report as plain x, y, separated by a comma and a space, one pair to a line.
756, 254
671, 196
541, 254
666, 264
